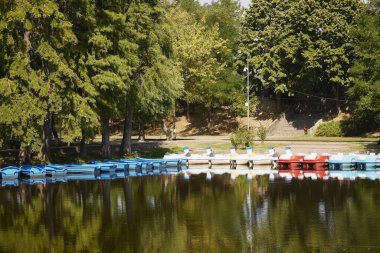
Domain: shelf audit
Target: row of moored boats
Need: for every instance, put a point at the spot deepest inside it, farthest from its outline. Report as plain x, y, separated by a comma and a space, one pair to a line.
126, 166
287, 165
287, 160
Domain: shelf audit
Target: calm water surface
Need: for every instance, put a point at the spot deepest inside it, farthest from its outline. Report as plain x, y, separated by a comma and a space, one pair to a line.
166, 213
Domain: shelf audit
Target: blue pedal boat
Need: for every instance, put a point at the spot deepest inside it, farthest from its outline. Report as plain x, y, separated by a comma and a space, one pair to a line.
79, 168
9, 182
32, 171
56, 179
33, 180
106, 176
146, 166
133, 165
81, 177
368, 162
342, 162
10, 172
122, 174
107, 168
54, 171
117, 166
158, 164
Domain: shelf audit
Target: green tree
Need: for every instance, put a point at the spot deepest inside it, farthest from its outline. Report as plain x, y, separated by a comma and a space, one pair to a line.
82, 16
225, 88
36, 75
111, 61
366, 69
197, 48
157, 82
229, 85
300, 45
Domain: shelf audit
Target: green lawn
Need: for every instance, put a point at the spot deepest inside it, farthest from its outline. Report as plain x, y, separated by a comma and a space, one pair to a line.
324, 139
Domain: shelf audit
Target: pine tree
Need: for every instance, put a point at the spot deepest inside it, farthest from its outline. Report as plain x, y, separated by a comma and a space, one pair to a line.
157, 80
36, 76
111, 61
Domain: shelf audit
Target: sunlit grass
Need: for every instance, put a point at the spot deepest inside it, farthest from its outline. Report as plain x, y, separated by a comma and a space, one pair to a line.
323, 139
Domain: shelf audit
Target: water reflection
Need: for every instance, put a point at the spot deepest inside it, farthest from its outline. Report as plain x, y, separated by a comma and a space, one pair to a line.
173, 213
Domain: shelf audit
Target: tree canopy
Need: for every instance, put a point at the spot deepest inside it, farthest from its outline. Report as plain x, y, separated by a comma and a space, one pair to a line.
366, 69
303, 45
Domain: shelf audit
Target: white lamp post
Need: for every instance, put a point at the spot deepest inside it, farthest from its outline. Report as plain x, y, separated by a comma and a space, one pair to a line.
247, 104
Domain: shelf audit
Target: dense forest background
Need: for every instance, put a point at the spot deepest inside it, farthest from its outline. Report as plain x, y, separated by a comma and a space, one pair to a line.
76, 66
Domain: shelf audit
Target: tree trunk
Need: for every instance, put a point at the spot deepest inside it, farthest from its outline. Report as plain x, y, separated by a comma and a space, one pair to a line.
187, 111
24, 154
208, 120
126, 142
45, 156
106, 148
53, 129
278, 102
83, 146
166, 130
141, 132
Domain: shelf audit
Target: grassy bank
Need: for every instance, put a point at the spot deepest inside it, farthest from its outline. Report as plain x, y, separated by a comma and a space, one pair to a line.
324, 139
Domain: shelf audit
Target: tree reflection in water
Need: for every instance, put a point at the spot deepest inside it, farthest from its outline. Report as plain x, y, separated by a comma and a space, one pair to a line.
167, 213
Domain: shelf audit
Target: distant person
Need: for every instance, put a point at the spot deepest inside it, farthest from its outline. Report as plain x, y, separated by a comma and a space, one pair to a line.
186, 151
305, 130
209, 152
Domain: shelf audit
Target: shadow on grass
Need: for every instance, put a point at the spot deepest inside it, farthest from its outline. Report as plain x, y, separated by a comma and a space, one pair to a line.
372, 147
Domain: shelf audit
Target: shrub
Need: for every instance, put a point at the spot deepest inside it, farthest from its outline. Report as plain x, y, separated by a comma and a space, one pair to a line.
329, 129
262, 133
131, 155
242, 138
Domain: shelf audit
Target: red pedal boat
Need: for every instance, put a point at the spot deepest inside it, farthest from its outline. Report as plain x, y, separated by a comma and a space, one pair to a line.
288, 161
314, 161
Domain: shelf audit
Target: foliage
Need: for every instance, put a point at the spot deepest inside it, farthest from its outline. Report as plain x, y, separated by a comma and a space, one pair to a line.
329, 129
37, 76
242, 138
131, 155
366, 71
158, 77
302, 45
221, 23
262, 133
197, 48
69, 64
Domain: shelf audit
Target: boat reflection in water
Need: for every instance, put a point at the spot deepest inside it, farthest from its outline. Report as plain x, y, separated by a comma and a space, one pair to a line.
215, 210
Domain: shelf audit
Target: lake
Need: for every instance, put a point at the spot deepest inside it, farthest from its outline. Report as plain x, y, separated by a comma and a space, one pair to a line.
169, 213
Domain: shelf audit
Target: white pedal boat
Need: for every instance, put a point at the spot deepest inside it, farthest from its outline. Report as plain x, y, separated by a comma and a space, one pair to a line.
232, 158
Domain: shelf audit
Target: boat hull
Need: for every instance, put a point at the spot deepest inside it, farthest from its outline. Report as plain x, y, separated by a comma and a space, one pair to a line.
8, 173
32, 171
